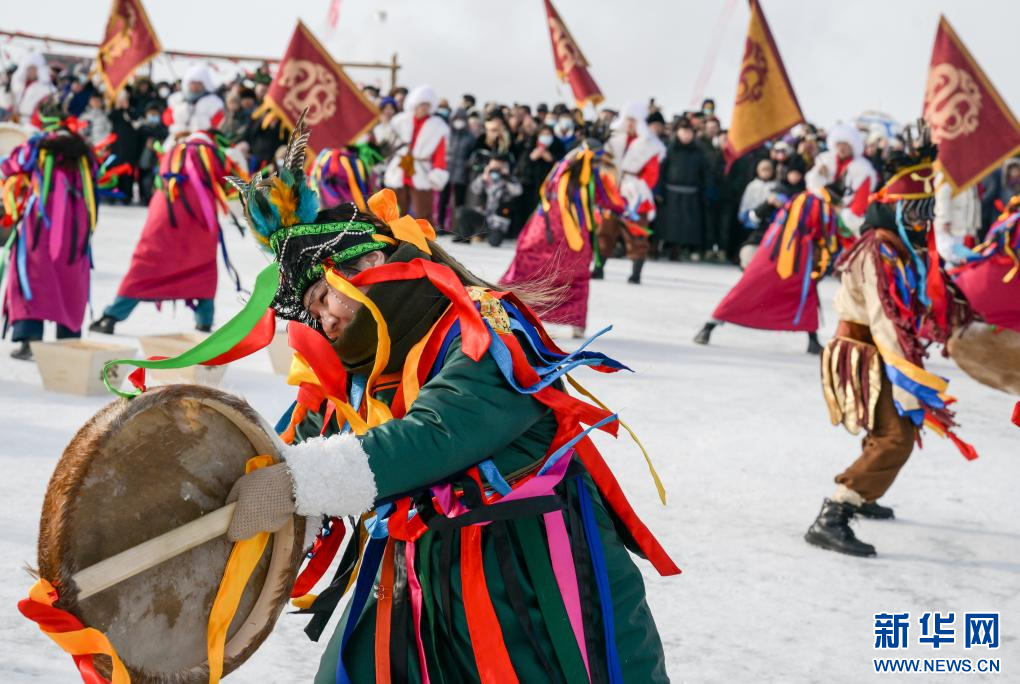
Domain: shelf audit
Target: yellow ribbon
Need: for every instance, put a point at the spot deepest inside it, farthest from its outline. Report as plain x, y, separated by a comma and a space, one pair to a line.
633, 435
352, 183
785, 264
570, 229
81, 642
377, 412
244, 557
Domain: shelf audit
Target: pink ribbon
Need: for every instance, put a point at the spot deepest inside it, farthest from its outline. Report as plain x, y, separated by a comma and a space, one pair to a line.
57, 200
416, 602
204, 194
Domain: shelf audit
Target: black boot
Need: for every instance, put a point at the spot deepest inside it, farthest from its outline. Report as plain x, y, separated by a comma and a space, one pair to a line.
635, 271
598, 273
705, 334
874, 510
104, 325
831, 530
813, 345
203, 327
24, 352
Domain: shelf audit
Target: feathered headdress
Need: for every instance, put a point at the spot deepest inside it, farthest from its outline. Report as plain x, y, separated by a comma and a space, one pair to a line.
282, 208
283, 199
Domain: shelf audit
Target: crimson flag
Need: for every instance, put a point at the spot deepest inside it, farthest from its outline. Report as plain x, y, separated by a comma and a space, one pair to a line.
571, 66
307, 77
129, 42
969, 121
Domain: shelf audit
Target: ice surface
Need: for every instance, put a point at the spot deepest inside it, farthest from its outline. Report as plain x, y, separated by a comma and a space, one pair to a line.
740, 434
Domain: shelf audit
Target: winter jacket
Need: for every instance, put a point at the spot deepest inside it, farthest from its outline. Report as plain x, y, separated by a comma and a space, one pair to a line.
458, 151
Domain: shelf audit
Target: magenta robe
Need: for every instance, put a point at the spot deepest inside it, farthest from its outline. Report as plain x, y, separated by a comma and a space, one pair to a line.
543, 257
761, 299
996, 301
55, 260
177, 259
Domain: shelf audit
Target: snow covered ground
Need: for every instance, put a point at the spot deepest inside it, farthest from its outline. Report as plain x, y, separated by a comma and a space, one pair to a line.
741, 437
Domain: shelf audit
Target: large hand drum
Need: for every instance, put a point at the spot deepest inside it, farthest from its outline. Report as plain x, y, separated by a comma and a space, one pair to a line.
155, 471
988, 354
12, 135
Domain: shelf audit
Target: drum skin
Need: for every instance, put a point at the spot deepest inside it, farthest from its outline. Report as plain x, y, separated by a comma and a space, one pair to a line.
989, 354
137, 469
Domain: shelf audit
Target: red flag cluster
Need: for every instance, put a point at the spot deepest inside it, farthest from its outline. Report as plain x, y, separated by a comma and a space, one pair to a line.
973, 127
571, 66
338, 112
129, 42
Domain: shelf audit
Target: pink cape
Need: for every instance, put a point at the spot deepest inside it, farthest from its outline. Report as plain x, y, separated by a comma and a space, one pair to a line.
59, 290
174, 262
543, 257
761, 299
996, 301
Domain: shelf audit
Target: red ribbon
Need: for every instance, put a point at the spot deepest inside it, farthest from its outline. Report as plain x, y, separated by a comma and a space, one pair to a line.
52, 619
321, 358
474, 335
491, 657
323, 551
936, 286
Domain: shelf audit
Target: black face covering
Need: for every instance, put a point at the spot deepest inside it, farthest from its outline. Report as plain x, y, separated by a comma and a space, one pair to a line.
409, 307
916, 213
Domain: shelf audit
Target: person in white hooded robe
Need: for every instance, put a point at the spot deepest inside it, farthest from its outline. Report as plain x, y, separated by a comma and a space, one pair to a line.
417, 168
636, 152
30, 85
844, 163
196, 107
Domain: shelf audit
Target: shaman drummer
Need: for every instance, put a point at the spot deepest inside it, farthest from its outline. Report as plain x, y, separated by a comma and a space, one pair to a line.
497, 537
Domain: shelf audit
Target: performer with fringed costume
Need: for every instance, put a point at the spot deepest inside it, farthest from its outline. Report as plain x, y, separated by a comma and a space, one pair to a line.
488, 538
894, 301
175, 258
342, 176
555, 247
50, 199
779, 289
990, 278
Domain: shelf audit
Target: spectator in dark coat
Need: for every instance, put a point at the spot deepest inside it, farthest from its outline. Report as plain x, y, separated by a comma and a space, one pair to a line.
126, 148
684, 175
151, 131
458, 150
716, 226
537, 158
736, 180
142, 95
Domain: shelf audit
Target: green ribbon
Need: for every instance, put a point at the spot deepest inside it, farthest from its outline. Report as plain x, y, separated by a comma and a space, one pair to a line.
6, 249
221, 341
368, 155
550, 600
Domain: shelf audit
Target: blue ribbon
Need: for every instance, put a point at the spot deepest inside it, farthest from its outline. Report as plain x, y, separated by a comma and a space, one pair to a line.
598, 562
366, 581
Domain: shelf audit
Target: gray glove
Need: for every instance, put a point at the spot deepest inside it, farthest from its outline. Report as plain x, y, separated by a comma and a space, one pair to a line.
265, 502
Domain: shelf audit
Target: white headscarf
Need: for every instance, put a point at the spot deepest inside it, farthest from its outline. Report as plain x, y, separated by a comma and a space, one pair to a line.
421, 94
848, 134
633, 109
199, 73
42, 69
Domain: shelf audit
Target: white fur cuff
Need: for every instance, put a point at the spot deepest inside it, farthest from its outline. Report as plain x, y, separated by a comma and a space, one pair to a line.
844, 494
331, 476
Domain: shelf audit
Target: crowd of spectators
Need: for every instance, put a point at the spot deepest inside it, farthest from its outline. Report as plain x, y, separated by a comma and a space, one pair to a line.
498, 154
